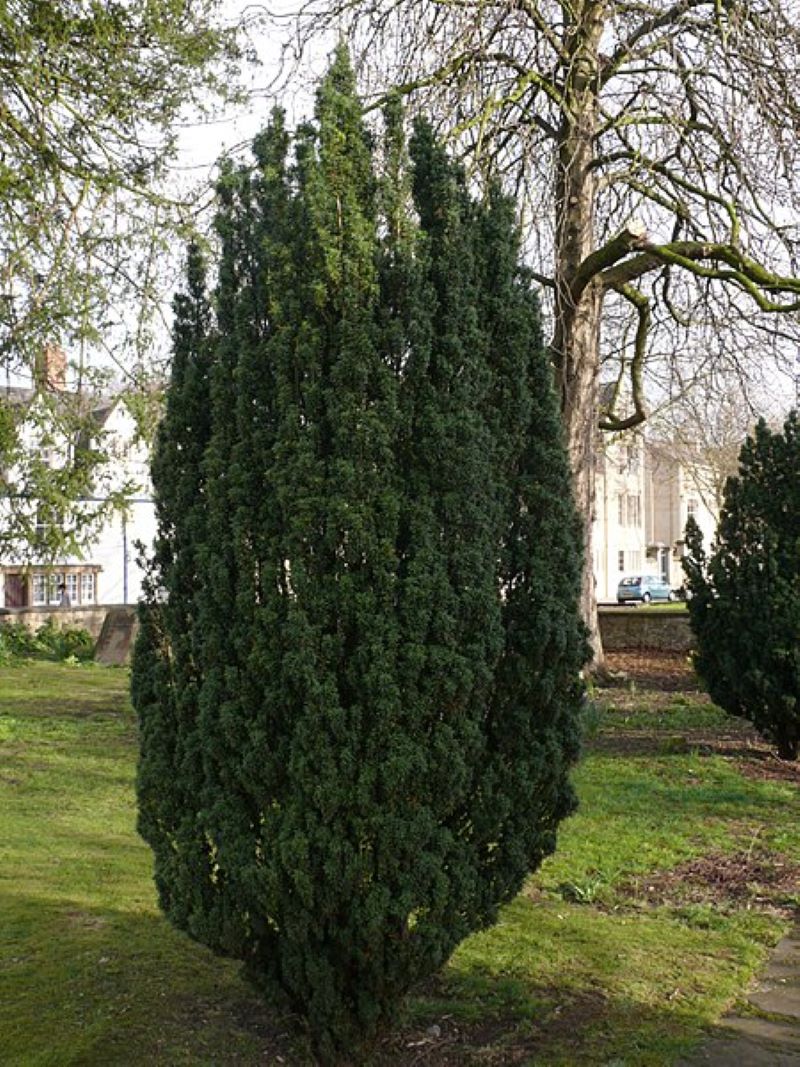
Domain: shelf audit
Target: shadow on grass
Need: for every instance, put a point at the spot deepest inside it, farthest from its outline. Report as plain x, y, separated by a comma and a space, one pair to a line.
98, 986
36, 707
86, 985
540, 1025
686, 777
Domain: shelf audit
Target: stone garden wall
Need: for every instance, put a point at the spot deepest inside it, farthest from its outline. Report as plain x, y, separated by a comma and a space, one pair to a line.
635, 627
89, 618
621, 628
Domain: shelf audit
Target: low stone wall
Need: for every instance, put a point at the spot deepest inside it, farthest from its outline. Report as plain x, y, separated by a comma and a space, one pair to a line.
636, 627
89, 618
620, 628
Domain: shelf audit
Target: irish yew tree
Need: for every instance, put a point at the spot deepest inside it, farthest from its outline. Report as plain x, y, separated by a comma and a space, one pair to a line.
167, 680
745, 602
357, 674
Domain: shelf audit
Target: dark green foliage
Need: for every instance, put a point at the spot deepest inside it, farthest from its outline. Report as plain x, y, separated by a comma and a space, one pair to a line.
48, 642
358, 670
745, 596
166, 681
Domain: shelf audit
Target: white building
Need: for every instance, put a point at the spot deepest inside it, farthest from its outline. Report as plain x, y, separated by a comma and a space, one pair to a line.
644, 496
107, 572
675, 490
619, 534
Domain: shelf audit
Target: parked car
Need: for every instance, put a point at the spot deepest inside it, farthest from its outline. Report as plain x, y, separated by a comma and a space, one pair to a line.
644, 588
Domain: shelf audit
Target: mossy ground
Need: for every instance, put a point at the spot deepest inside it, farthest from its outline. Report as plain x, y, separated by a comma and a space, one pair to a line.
621, 949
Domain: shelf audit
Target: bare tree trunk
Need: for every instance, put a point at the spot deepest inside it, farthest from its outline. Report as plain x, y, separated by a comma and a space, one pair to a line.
578, 339
578, 306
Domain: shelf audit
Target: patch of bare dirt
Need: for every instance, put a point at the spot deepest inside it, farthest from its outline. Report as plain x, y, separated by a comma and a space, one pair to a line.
662, 674
761, 877
759, 761
569, 1020
451, 1043
753, 756
653, 668
495, 1042
86, 919
737, 742
274, 1033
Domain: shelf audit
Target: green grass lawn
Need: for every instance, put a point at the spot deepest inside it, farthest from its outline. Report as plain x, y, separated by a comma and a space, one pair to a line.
607, 957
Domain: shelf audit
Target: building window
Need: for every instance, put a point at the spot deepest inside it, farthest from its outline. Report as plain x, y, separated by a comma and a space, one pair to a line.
621, 560
629, 459
629, 509
634, 509
87, 589
48, 589
55, 580
48, 518
71, 583
42, 527
691, 506
39, 589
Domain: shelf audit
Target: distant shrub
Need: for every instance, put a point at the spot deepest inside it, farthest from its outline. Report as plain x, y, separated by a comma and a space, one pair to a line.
16, 642
48, 642
745, 595
71, 642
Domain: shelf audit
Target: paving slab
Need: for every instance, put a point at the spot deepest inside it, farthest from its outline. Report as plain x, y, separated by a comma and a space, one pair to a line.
752, 1041
787, 953
781, 997
743, 1051
778, 989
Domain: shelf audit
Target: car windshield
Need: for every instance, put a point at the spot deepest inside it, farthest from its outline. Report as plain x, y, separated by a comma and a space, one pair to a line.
631, 581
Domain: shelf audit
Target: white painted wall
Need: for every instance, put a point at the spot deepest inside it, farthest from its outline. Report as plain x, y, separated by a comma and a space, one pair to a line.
114, 549
116, 552
673, 489
666, 489
618, 477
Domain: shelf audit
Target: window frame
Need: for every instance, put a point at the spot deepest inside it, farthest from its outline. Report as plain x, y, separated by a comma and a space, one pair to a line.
54, 596
88, 581
39, 599
72, 586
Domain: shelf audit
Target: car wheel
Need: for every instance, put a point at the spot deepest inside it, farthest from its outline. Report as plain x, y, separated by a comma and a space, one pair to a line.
645, 598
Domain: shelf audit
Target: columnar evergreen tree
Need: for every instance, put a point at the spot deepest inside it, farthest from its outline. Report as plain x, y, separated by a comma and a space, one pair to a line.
166, 687
745, 602
382, 685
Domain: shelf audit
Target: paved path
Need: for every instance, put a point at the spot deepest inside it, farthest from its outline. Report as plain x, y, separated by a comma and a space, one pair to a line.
750, 1041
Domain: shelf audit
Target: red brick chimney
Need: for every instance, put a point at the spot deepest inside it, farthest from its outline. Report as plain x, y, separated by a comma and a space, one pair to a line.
51, 369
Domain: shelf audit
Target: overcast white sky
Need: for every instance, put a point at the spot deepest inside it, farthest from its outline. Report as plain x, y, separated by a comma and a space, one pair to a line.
202, 144
233, 131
